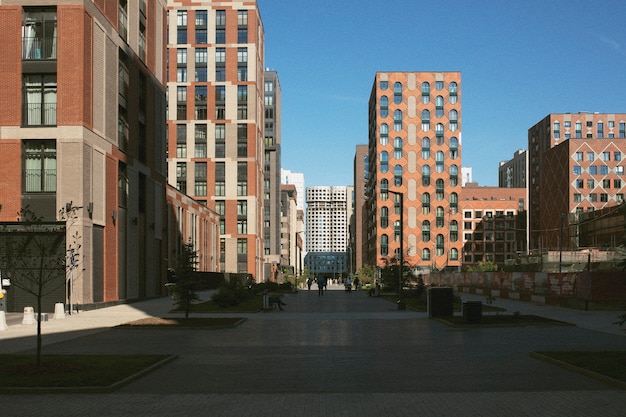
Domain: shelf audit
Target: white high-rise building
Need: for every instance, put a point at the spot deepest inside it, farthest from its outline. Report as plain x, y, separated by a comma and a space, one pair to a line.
296, 178
327, 220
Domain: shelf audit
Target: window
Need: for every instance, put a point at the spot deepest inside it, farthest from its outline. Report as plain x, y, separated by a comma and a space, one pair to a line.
590, 156
439, 85
593, 170
439, 162
384, 134
425, 231
604, 170
606, 183
384, 162
425, 148
397, 93
454, 120
242, 188
453, 89
181, 75
591, 184
425, 120
384, 245
579, 130
242, 35
220, 207
617, 183
556, 130
580, 183
426, 254
397, 175
40, 100
578, 156
454, 175
181, 93
440, 245
201, 36
426, 175
397, 148
242, 246
242, 208
425, 203
617, 156
242, 18
578, 170
384, 106
440, 217
181, 56
181, 36
201, 74
181, 18
384, 85
201, 18
425, 92
384, 217
384, 189
40, 166
439, 133
454, 147
397, 120
439, 189
201, 56
220, 188
242, 227
600, 129
439, 106
39, 33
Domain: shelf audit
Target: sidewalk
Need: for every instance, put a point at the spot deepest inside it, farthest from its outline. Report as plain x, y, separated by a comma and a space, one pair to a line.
601, 321
341, 354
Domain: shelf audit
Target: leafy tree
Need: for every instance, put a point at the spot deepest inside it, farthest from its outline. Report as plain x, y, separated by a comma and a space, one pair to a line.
367, 274
389, 273
34, 252
184, 290
486, 266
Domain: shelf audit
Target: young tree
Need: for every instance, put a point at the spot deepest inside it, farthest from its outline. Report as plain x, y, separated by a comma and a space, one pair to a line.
184, 290
367, 274
34, 253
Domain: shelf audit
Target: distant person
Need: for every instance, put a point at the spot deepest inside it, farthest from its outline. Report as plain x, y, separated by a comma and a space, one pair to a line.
357, 283
321, 284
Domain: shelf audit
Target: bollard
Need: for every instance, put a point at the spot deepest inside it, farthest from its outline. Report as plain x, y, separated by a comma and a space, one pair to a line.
3, 321
29, 316
59, 311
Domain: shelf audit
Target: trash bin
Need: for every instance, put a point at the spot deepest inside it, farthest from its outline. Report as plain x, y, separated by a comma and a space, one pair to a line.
440, 301
472, 311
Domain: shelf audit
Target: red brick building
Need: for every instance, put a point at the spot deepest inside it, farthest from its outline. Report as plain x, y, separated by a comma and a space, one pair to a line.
414, 162
82, 126
494, 221
216, 120
576, 165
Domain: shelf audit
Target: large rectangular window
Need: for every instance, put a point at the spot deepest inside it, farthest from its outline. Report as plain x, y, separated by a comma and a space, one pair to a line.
40, 166
39, 33
40, 100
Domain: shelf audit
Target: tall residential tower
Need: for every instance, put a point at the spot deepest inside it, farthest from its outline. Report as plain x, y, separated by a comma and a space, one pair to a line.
215, 120
414, 169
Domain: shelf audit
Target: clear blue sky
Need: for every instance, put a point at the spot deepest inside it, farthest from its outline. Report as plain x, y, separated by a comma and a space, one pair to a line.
519, 61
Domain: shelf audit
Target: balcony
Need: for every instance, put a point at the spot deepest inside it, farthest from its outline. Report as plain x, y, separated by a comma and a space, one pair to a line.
37, 48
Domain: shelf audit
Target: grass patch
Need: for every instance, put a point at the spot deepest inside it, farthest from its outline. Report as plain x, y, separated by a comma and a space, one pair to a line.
609, 366
252, 304
195, 322
72, 371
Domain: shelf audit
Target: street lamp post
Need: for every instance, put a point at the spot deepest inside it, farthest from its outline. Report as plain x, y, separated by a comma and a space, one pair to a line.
561, 244
401, 305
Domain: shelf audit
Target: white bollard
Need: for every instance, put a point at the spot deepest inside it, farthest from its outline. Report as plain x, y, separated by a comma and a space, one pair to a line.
59, 311
3, 321
29, 316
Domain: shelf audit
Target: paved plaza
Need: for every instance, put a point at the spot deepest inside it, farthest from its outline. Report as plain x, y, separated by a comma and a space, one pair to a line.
343, 354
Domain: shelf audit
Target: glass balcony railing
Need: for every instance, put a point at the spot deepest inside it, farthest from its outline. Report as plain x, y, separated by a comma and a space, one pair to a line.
36, 48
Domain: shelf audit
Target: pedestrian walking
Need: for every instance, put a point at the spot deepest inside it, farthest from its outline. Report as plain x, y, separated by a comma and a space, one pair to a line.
321, 284
309, 282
